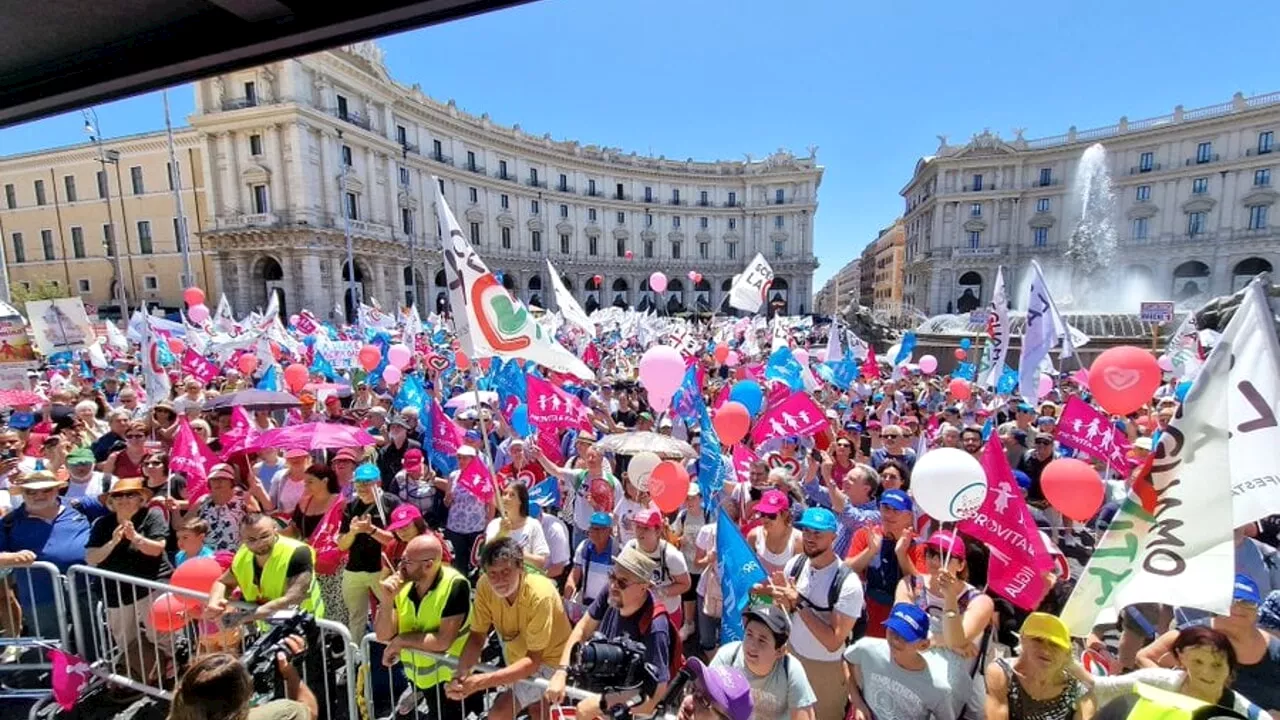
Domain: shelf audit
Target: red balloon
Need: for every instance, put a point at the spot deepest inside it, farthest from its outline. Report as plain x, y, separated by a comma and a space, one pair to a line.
193, 296
669, 486
721, 352
961, 354
1124, 378
731, 422
630, 255
176, 346
461, 360
1073, 487
196, 574
169, 613
960, 389
295, 377
598, 278
369, 358
247, 363
484, 364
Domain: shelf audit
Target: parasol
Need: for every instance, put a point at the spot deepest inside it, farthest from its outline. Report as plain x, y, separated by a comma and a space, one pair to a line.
18, 398
314, 436
468, 399
253, 400
664, 446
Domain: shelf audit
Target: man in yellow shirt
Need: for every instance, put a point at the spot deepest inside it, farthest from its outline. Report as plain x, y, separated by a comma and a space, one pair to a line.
528, 615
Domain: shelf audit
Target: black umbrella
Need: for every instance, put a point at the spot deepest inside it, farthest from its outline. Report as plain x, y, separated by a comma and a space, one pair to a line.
253, 400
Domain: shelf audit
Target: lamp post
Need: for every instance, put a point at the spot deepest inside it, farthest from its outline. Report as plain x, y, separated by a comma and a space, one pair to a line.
346, 230
105, 157
183, 239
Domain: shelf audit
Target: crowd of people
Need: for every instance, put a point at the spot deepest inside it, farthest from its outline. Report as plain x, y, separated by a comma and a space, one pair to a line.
868, 610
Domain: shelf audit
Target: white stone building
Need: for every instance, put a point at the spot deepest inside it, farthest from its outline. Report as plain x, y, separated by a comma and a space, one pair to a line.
294, 146
1194, 214
840, 290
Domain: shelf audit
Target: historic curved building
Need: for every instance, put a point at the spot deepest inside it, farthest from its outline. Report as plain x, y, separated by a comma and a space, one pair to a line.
302, 151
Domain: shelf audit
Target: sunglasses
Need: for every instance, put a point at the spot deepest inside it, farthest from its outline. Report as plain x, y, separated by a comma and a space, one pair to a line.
767, 516
1044, 442
130, 495
891, 436
153, 463
621, 582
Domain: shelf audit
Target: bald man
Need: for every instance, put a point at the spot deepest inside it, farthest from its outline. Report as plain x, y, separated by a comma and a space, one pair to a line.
425, 606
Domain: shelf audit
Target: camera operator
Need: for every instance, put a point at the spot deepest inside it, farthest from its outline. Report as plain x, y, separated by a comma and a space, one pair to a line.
218, 687
627, 609
274, 572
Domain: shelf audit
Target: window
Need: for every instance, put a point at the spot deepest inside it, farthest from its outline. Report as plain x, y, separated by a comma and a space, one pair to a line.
621, 247
168, 172
618, 193
475, 233
731, 250
506, 238
564, 244
975, 210
502, 169
144, 237
471, 160
40, 198
535, 240
675, 196
1040, 237
591, 214
46, 244
733, 199
563, 184
1143, 193
473, 195
178, 241
251, 94
346, 156
779, 197
703, 222
19, 249
1046, 177
83, 286
564, 211
437, 150
1196, 223
69, 183
1199, 186
704, 250
108, 240
1042, 205
1262, 177
977, 183
648, 194
11, 195
260, 203
779, 248
591, 188
402, 135
975, 239
702, 198
533, 176
1146, 161
404, 177
648, 220
648, 249
406, 221
1258, 217
1204, 152
675, 249
505, 202
622, 218
150, 283
440, 184
353, 206
733, 223
77, 242
593, 246
135, 179
535, 207
1264, 142
675, 221
255, 145
778, 221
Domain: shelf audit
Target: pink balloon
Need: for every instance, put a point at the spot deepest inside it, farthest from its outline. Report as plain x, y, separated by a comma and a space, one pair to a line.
658, 282
928, 364
293, 319
391, 374
1124, 378
1044, 386
399, 355
733, 359
198, 313
661, 372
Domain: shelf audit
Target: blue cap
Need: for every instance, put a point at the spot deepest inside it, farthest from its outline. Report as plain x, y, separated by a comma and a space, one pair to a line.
22, 420
818, 519
791, 440
908, 622
1024, 407
601, 519
1246, 590
1024, 480
897, 500
368, 472
1046, 420
474, 435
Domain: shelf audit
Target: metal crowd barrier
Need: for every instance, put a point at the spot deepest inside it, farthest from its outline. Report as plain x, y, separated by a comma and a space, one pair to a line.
132, 653
29, 630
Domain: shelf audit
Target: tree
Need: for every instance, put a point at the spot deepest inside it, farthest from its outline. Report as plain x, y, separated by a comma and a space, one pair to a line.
46, 290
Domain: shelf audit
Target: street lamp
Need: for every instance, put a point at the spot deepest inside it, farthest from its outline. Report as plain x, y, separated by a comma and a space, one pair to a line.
106, 157
346, 230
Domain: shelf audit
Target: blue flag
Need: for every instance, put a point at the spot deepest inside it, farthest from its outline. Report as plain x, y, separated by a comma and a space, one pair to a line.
508, 380
546, 493
1008, 382
739, 572
684, 404
905, 349
321, 365
270, 379
411, 394
965, 371
710, 461
162, 350
843, 372
783, 366
987, 427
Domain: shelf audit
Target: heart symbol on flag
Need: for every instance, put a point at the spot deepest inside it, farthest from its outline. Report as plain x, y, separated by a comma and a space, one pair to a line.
1120, 379
437, 362
791, 464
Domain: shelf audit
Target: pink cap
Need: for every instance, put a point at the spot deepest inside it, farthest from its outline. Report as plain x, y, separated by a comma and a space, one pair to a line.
947, 542
773, 502
648, 518
403, 516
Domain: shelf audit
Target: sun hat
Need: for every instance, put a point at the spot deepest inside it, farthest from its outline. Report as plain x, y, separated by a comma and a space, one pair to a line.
39, 480
634, 561
367, 472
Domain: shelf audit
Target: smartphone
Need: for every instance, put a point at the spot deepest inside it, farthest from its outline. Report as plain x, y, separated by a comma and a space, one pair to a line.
864, 445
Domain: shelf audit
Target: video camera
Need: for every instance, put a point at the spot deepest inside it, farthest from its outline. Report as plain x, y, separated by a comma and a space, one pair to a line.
260, 658
613, 665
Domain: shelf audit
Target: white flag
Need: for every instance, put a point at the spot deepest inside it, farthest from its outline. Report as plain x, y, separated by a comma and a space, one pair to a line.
998, 330
751, 288
154, 377
115, 338
412, 324
273, 306
835, 353
222, 317
1038, 337
488, 321
569, 307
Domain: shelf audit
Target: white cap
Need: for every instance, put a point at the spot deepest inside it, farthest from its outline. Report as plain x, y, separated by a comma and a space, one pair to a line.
468, 450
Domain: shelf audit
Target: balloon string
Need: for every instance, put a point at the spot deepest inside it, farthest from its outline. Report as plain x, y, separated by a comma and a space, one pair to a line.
946, 558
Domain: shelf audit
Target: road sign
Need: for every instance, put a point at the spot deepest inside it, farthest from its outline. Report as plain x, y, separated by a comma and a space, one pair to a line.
1156, 312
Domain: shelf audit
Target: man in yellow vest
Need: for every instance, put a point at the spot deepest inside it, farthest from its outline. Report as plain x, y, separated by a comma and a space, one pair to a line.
274, 572
425, 607
1150, 703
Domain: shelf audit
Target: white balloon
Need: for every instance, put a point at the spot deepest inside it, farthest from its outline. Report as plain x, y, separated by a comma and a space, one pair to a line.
641, 467
948, 484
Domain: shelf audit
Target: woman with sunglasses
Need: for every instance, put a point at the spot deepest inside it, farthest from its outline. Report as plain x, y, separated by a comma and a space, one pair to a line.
775, 540
317, 519
127, 463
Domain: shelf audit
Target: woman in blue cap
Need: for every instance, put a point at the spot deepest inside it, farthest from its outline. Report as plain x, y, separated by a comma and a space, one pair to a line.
362, 535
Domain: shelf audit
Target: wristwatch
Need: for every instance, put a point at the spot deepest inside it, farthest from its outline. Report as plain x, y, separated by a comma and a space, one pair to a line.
950, 614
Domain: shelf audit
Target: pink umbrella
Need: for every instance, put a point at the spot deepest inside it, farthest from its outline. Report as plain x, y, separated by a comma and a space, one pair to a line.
314, 436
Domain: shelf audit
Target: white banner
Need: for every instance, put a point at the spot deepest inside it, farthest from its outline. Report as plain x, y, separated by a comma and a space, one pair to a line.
60, 325
1038, 337
569, 307
341, 354
750, 289
1253, 399
998, 330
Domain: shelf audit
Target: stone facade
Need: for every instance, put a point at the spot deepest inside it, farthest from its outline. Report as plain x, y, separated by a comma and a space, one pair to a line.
841, 290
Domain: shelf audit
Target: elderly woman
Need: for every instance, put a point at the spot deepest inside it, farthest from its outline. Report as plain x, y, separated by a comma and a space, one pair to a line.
223, 508
88, 426
127, 463
1038, 684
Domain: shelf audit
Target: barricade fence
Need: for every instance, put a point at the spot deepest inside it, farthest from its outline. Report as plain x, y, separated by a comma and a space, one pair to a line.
104, 617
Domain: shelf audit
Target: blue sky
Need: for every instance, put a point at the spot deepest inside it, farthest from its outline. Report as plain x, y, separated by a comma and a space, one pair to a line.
870, 83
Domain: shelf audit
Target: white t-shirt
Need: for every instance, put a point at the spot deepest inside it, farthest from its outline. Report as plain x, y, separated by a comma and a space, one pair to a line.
529, 538
671, 565
815, 585
705, 541
624, 515
557, 535
91, 488
596, 576
289, 491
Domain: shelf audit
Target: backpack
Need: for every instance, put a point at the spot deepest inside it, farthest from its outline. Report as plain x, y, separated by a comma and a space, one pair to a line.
833, 593
587, 555
675, 650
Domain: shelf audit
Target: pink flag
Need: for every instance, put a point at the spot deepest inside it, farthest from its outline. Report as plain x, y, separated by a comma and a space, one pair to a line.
797, 415
778, 392
552, 407
241, 436
306, 323
70, 674
1005, 525
446, 436
591, 356
477, 480
196, 365
191, 457
870, 368
721, 398
549, 443
1084, 428
742, 459
754, 371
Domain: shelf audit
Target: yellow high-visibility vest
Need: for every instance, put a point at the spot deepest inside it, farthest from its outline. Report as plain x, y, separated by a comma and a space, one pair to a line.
272, 584
420, 668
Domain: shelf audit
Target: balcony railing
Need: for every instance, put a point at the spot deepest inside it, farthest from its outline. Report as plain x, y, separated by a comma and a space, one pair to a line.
532, 182
507, 177
779, 201
1257, 151
240, 103
565, 189
649, 199
354, 118
594, 193
442, 158
409, 147
980, 187
1140, 169
622, 196
676, 201
732, 203
478, 169
1040, 182
704, 203
1201, 160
